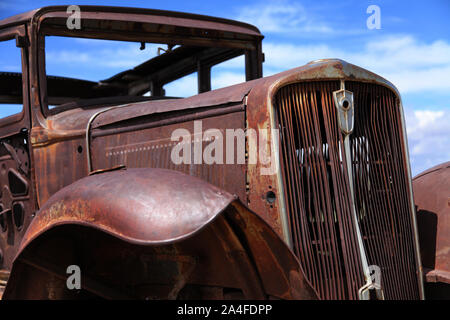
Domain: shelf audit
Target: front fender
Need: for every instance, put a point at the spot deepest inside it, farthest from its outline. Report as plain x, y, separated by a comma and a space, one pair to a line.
158, 211
141, 206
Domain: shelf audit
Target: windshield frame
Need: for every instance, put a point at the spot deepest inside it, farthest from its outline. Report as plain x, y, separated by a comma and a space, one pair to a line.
130, 27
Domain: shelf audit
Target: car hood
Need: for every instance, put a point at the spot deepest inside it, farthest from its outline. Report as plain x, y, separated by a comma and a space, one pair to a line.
324, 69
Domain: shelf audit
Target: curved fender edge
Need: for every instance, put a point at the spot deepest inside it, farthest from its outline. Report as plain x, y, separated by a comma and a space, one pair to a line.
159, 207
142, 206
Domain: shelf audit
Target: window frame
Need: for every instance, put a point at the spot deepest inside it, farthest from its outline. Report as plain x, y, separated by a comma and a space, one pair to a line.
17, 122
53, 24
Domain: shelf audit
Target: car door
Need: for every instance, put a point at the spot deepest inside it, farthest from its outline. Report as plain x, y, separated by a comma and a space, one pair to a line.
16, 192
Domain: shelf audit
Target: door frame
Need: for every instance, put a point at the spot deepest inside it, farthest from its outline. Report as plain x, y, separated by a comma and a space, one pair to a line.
15, 123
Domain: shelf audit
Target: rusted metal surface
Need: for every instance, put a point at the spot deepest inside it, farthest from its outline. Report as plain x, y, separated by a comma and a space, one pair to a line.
202, 241
4, 276
320, 217
153, 222
125, 204
21, 18
383, 202
432, 199
149, 144
319, 203
17, 197
220, 97
261, 115
70, 125
334, 69
159, 16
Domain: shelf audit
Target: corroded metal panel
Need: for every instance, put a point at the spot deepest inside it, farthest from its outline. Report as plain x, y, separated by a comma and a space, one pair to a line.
432, 199
152, 148
243, 257
59, 164
138, 216
317, 185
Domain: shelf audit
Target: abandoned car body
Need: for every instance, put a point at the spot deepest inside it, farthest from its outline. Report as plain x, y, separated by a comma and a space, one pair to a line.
432, 199
90, 181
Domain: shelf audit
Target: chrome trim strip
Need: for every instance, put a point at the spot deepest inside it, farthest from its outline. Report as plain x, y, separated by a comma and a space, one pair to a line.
362, 251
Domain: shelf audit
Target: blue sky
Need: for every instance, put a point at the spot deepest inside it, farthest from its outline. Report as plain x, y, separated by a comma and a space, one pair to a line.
412, 50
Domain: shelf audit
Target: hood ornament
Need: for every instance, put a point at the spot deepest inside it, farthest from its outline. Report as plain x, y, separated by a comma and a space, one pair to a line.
343, 99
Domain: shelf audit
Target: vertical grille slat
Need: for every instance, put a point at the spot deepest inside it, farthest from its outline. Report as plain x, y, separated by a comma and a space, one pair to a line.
318, 198
383, 192
323, 234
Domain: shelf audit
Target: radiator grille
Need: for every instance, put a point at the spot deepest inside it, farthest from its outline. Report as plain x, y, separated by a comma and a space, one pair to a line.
318, 199
381, 188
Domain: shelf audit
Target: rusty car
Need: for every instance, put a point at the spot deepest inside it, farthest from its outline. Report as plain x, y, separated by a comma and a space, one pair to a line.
87, 177
432, 200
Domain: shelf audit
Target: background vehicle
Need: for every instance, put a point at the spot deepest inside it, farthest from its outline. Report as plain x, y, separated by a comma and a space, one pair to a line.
87, 177
432, 199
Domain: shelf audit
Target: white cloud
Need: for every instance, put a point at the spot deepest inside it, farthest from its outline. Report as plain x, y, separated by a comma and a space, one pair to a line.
425, 118
11, 68
187, 86
428, 137
67, 56
184, 87
122, 56
225, 79
410, 64
235, 63
435, 79
282, 17
284, 56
